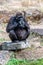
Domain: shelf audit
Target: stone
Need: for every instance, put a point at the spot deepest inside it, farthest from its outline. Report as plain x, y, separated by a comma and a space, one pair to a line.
15, 46
4, 57
38, 30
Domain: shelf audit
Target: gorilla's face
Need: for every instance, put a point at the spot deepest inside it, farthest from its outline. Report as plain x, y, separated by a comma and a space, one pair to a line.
20, 21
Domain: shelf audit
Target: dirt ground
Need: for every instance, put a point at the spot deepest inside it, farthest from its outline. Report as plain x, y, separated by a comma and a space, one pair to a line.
29, 53
35, 52
36, 49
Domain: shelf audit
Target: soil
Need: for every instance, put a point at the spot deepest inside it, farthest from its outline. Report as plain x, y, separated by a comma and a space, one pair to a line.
29, 53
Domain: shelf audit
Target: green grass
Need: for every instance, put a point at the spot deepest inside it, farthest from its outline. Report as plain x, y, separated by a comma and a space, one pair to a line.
14, 61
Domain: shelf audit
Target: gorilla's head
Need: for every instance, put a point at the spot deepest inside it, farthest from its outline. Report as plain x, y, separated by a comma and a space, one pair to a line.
20, 19
19, 15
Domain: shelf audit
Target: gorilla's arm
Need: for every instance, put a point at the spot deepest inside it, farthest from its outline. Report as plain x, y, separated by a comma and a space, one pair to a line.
11, 25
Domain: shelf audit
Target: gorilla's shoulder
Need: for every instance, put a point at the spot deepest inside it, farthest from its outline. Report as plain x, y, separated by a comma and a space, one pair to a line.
12, 19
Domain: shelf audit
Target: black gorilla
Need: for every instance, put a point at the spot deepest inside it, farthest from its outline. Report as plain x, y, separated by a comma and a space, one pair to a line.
18, 28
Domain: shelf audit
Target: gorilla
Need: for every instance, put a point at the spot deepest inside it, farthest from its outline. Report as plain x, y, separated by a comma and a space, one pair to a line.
18, 28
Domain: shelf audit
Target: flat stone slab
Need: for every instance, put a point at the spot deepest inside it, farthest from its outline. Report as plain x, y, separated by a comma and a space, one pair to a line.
37, 29
15, 46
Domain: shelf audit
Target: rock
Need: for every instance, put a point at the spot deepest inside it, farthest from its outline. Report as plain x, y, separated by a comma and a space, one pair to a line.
4, 57
34, 14
37, 15
38, 31
15, 46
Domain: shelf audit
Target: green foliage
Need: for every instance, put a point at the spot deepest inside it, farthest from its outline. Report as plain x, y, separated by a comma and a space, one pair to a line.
14, 61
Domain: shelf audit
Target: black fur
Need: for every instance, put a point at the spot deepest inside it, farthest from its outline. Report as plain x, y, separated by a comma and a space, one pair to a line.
18, 28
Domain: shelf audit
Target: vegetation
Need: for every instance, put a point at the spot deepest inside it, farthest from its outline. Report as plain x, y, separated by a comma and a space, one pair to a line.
14, 61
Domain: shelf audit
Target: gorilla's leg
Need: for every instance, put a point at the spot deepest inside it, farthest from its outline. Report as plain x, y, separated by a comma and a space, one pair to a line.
12, 36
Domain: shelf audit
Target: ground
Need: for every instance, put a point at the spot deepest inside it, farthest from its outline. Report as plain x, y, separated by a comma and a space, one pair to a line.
36, 41
27, 54
34, 52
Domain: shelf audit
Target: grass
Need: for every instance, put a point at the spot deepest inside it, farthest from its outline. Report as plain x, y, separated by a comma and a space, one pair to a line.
2, 39
14, 61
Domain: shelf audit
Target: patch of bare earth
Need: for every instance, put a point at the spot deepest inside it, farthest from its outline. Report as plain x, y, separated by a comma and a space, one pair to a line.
29, 53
